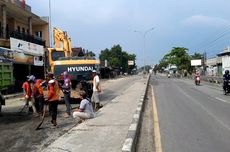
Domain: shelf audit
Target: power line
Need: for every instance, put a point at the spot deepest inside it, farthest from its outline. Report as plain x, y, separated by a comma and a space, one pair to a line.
209, 41
224, 37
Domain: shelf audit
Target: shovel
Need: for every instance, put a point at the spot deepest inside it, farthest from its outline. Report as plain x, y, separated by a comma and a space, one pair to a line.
43, 117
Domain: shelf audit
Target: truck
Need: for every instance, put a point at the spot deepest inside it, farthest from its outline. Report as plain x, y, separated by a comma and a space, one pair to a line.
6, 77
61, 58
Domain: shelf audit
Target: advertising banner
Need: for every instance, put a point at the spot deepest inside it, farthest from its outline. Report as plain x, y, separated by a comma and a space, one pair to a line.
6, 53
26, 47
130, 62
196, 62
16, 57
38, 61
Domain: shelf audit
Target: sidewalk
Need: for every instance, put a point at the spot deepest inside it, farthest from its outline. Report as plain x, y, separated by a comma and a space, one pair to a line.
114, 128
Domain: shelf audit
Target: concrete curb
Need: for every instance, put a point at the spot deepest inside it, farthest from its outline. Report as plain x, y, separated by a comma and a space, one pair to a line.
10, 96
134, 129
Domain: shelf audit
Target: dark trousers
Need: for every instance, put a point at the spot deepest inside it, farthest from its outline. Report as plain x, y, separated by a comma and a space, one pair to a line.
67, 102
39, 103
53, 109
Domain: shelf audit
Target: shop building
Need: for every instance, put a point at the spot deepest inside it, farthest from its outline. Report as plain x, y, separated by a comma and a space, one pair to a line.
23, 39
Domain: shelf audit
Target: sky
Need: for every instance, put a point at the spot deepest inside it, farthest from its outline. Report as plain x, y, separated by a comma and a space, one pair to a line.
198, 25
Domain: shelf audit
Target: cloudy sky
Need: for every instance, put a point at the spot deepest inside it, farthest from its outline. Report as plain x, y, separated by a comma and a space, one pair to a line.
199, 25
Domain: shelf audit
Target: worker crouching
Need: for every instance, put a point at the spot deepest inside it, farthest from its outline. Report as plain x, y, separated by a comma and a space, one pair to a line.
86, 109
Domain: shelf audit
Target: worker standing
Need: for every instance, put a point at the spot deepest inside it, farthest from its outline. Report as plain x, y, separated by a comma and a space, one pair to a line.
53, 98
96, 90
66, 88
49, 77
38, 95
28, 93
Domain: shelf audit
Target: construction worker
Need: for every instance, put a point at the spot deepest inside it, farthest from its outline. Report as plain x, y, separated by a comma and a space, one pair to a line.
53, 98
28, 93
38, 95
96, 90
50, 76
66, 88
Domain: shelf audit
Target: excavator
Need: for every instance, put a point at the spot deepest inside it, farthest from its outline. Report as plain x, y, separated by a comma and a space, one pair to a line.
60, 59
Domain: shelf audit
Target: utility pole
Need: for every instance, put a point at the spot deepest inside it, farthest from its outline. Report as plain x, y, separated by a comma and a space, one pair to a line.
204, 62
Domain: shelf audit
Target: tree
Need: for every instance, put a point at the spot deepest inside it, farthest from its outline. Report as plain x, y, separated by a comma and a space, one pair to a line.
87, 53
178, 56
90, 54
117, 58
197, 56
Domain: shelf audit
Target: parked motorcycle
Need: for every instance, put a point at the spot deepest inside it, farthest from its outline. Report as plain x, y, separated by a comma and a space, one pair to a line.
226, 86
197, 80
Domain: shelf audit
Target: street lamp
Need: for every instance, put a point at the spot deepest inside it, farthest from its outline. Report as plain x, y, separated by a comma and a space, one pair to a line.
144, 37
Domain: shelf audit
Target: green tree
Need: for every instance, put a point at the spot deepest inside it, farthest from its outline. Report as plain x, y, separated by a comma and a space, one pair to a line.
90, 54
197, 56
178, 56
117, 58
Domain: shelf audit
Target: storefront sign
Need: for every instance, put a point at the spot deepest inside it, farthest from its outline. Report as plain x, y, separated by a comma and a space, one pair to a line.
6, 53
23, 58
38, 61
16, 57
26, 47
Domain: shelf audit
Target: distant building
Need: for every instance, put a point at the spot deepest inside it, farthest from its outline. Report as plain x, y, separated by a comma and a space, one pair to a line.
214, 66
171, 68
23, 38
225, 55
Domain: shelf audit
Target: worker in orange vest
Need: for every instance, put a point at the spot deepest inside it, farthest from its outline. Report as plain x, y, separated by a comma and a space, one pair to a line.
38, 95
28, 94
53, 98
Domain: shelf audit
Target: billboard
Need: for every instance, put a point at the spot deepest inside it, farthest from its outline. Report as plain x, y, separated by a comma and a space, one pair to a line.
196, 62
130, 62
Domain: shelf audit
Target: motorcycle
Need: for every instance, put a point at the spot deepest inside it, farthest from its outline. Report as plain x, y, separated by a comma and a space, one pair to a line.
226, 87
169, 75
197, 80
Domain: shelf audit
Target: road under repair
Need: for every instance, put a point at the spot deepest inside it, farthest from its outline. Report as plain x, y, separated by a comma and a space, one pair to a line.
18, 128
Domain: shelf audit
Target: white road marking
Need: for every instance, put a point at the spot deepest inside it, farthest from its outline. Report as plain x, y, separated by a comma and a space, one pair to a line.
221, 100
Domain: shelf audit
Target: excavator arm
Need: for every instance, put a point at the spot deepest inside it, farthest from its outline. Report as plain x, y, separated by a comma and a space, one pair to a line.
62, 41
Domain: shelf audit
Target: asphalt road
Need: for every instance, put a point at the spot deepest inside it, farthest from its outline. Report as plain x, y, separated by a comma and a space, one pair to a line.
17, 130
192, 118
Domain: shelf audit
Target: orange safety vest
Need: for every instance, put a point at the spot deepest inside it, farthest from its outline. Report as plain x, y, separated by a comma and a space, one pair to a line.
54, 92
38, 90
27, 88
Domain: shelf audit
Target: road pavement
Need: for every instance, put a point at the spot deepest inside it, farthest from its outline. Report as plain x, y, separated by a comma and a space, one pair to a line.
18, 128
109, 130
192, 118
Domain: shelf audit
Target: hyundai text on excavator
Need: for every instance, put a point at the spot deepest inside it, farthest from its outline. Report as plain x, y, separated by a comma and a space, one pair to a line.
60, 59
